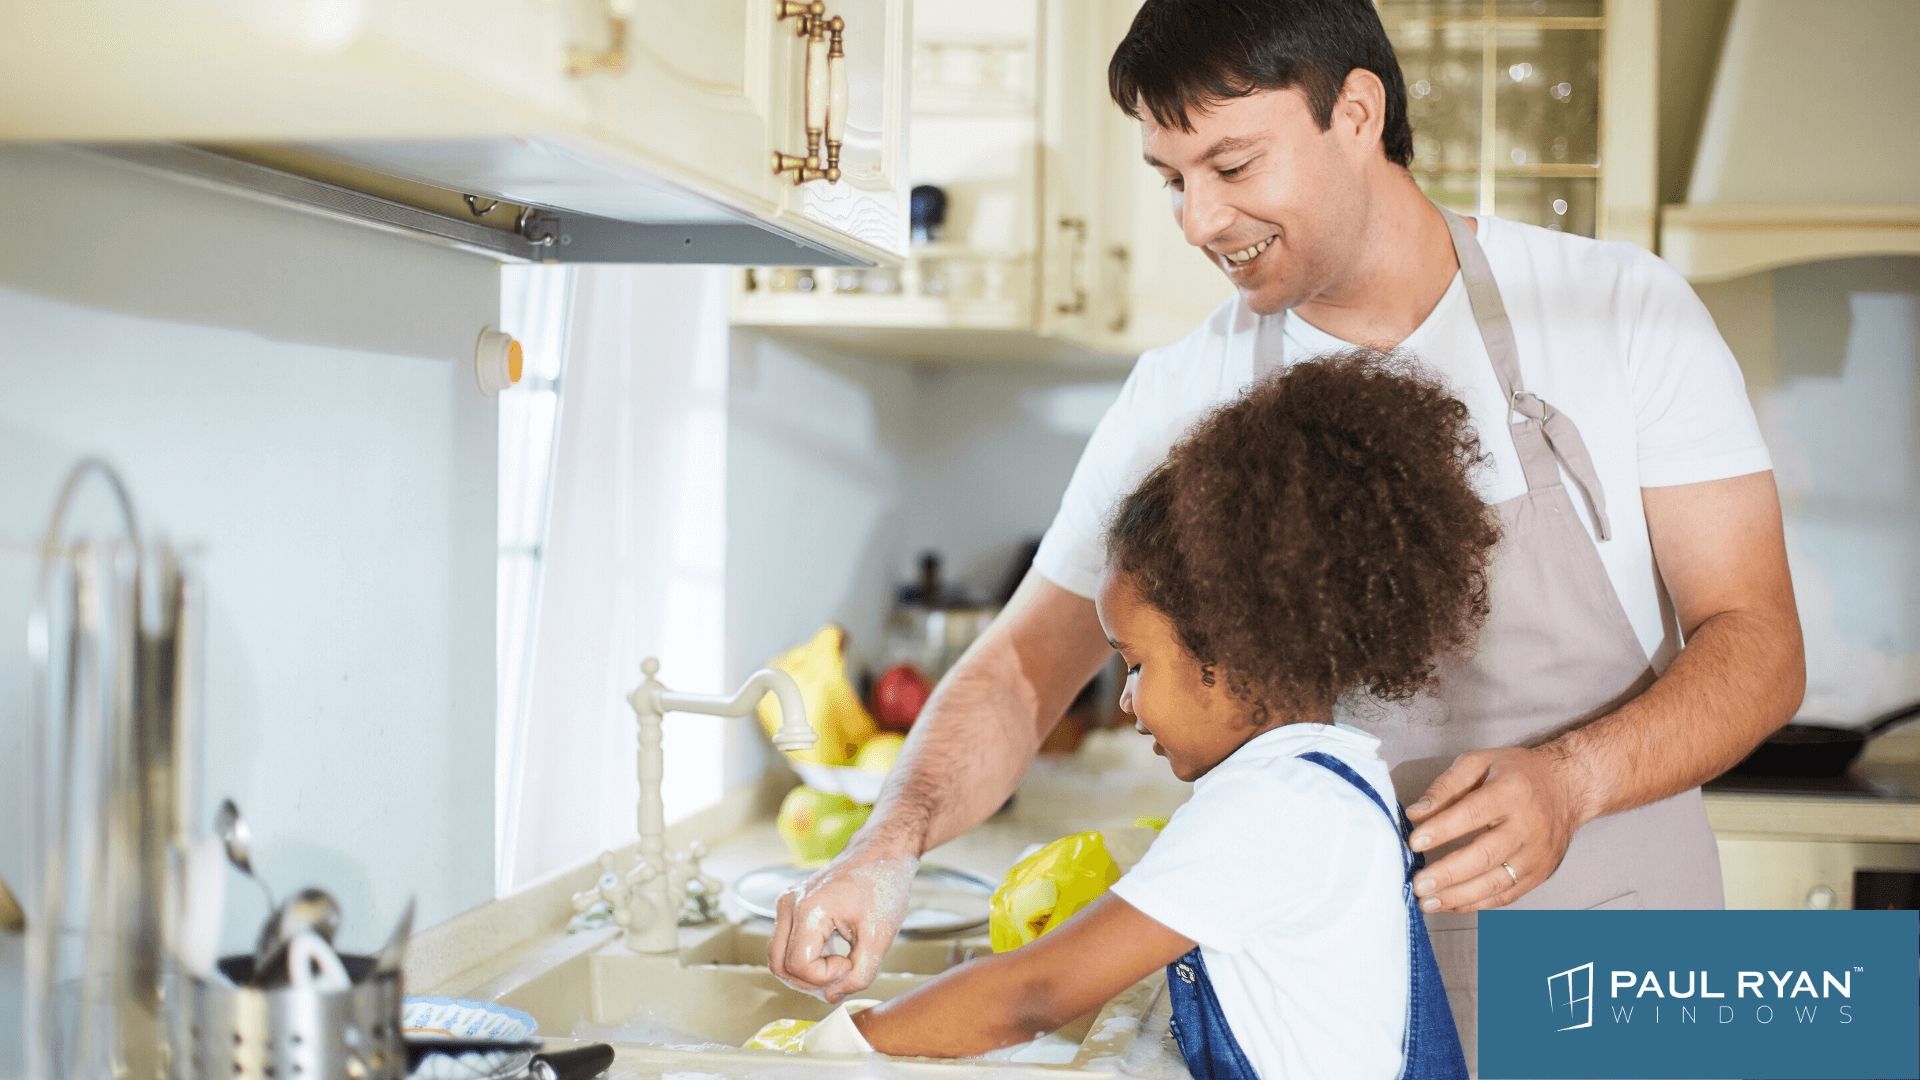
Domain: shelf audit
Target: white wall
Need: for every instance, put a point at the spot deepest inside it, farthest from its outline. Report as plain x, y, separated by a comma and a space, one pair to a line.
1832, 357
296, 395
992, 449
842, 469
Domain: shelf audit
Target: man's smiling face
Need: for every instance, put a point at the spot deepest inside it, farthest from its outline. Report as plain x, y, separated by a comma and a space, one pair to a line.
1276, 203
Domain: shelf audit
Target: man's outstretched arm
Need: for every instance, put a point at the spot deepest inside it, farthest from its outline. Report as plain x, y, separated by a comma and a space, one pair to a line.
965, 755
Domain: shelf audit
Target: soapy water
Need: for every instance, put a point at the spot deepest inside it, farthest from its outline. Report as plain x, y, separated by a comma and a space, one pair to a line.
1158, 1063
647, 1027
1045, 1050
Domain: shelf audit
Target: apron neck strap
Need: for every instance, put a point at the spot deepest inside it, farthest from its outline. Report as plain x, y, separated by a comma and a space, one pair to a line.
1489, 311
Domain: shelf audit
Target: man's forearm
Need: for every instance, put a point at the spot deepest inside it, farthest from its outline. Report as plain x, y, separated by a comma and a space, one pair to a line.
965, 755
1739, 678
980, 731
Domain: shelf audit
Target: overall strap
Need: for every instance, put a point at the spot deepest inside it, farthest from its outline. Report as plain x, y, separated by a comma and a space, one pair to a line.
1411, 859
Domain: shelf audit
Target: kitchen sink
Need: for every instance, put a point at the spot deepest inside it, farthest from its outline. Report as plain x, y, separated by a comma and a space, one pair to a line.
667, 1014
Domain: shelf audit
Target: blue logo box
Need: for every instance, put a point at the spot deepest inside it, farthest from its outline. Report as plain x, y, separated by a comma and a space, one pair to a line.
1758, 994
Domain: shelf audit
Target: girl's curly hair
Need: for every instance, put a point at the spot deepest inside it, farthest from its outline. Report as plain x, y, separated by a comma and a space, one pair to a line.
1318, 534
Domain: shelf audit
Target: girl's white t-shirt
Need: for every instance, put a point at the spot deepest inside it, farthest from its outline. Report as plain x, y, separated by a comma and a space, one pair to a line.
1289, 878
1607, 333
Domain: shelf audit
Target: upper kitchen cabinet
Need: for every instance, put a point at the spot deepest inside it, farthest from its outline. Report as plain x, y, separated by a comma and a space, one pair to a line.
1801, 148
1014, 256
866, 124
1155, 287
1541, 111
634, 130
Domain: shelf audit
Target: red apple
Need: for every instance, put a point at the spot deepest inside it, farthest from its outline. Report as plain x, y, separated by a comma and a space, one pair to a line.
899, 694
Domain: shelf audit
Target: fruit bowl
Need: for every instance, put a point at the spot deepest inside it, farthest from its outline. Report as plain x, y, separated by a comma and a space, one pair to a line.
859, 785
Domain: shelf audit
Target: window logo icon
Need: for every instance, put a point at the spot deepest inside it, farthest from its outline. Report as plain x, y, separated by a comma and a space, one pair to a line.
1570, 996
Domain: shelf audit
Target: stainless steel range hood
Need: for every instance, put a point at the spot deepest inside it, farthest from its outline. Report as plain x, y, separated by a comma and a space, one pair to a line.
519, 199
1807, 150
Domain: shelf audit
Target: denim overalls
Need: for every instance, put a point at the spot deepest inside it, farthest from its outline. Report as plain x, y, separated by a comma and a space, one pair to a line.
1431, 1049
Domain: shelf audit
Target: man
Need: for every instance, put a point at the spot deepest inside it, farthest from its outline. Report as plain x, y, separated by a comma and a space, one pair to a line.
1557, 766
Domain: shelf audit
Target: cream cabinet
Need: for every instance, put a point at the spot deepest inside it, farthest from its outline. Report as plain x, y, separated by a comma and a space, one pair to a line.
1541, 111
1010, 120
714, 92
661, 111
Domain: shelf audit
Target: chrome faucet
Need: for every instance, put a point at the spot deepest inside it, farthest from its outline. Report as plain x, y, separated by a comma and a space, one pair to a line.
646, 899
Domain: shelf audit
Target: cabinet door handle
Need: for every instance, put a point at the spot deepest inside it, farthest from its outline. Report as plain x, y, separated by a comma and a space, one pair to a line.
1122, 260
826, 91
1076, 230
838, 100
582, 60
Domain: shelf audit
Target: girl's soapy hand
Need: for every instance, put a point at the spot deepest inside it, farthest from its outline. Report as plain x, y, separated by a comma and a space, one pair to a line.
832, 928
1014, 997
837, 1034
1520, 807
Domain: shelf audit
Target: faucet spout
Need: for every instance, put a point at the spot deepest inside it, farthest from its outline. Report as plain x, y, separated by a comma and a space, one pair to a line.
643, 899
794, 734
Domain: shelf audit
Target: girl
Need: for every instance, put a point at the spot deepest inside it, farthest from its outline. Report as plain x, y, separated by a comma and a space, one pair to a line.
1315, 538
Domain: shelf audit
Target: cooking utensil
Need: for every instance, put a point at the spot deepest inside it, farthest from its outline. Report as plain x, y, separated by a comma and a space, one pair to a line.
1804, 749
308, 1029
394, 952
202, 882
313, 965
234, 835
578, 1064
310, 909
942, 902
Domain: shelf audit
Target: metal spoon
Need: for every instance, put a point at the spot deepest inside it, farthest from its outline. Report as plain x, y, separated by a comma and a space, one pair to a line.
309, 909
234, 835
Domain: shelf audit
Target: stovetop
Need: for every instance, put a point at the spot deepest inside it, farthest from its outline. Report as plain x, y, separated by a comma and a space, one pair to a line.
1893, 781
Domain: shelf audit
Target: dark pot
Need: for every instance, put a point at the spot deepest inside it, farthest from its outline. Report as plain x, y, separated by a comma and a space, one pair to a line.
1817, 749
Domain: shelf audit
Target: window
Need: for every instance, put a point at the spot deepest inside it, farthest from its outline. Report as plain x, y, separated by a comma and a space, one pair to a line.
612, 549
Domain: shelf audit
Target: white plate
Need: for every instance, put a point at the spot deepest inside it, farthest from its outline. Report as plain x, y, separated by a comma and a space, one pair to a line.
428, 1016
942, 902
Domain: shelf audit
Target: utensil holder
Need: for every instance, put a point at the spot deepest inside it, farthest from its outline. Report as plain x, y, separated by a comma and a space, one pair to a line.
290, 1032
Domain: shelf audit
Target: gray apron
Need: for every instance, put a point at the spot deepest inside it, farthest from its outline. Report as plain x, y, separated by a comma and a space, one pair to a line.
1557, 651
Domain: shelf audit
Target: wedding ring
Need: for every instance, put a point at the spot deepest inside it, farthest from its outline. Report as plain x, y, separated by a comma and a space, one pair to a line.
1508, 867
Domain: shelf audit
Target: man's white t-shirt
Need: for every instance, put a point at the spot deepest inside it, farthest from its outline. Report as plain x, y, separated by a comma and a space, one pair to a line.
1607, 333
1289, 879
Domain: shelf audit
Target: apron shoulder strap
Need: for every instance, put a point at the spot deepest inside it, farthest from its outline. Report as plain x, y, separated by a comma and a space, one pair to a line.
1410, 858
1556, 436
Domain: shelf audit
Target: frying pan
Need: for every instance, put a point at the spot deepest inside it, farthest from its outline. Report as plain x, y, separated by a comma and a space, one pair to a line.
1817, 749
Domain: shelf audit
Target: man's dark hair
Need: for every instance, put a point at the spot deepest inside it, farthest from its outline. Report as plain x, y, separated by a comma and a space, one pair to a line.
1182, 55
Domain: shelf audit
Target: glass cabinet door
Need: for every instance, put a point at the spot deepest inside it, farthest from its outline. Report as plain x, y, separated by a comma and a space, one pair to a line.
1504, 98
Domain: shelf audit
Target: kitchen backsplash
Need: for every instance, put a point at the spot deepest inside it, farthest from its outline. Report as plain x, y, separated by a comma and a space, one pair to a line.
295, 396
1831, 353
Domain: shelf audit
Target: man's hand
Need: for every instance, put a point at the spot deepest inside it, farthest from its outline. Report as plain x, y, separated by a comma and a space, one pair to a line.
1519, 806
859, 900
